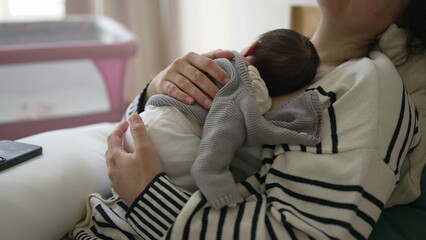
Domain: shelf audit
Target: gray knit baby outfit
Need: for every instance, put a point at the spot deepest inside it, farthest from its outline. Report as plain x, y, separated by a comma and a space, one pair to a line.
234, 120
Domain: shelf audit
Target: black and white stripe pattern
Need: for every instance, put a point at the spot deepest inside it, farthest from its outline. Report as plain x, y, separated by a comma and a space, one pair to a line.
332, 117
406, 131
330, 120
136, 106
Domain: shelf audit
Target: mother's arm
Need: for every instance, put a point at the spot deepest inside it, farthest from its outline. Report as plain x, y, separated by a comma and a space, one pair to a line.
158, 207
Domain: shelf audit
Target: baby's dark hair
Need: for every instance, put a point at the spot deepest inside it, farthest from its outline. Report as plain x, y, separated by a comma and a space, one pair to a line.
286, 60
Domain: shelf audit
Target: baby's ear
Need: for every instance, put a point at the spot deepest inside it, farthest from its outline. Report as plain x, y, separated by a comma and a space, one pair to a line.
250, 49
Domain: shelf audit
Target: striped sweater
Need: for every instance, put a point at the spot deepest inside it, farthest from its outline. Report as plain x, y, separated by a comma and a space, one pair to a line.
335, 190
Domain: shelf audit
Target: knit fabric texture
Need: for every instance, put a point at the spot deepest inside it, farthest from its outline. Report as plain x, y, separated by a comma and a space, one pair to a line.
260, 90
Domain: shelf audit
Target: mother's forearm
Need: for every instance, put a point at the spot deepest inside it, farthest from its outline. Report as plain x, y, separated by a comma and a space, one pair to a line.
156, 208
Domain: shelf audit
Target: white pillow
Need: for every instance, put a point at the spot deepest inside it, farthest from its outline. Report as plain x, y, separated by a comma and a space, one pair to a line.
43, 197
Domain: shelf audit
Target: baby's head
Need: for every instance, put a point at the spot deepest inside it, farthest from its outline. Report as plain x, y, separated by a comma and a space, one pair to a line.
286, 60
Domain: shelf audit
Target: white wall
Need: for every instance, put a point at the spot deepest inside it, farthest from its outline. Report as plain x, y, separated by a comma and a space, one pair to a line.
205, 25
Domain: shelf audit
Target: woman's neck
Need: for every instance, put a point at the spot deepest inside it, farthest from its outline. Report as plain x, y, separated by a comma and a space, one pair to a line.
282, 99
335, 46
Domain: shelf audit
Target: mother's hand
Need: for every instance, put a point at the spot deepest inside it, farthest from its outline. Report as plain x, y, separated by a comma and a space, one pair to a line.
130, 173
185, 78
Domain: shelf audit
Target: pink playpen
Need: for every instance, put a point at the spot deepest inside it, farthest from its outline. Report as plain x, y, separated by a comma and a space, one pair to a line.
61, 73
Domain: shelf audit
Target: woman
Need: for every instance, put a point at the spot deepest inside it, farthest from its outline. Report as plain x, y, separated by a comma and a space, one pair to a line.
335, 190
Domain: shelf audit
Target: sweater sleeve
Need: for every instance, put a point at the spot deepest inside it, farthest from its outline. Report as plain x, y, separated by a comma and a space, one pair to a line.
224, 131
155, 210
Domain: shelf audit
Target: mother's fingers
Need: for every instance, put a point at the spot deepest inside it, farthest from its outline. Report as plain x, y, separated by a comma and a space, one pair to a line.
186, 82
220, 76
186, 78
114, 142
138, 131
219, 53
194, 76
205, 63
114, 139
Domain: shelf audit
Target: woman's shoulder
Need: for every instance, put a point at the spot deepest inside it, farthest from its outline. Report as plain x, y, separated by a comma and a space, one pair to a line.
355, 71
359, 100
370, 77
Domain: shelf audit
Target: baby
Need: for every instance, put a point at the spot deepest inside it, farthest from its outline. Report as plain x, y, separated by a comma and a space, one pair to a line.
197, 146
